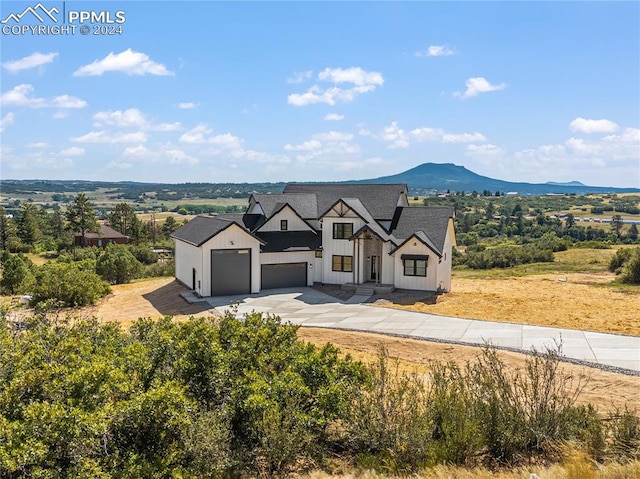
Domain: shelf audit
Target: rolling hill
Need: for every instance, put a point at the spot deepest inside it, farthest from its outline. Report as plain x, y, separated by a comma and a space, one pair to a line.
430, 177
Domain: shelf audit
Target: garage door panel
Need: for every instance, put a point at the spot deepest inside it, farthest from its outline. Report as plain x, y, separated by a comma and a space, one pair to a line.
284, 275
230, 272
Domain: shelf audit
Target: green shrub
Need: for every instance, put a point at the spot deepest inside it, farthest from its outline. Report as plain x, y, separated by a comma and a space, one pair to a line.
144, 254
17, 273
631, 271
72, 284
117, 265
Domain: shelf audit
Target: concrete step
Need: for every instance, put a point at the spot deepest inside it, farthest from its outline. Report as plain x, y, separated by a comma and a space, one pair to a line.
362, 291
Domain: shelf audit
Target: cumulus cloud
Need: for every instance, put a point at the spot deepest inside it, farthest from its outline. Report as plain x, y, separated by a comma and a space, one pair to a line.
201, 134
333, 136
463, 137
72, 151
187, 105
333, 117
361, 81
34, 60
427, 134
396, 137
305, 146
110, 137
478, 85
300, 77
485, 150
582, 125
22, 95
132, 118
128, 62
436, 51
7, 120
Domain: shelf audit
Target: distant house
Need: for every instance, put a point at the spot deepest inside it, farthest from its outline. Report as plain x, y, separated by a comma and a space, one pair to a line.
102, 238
348, 234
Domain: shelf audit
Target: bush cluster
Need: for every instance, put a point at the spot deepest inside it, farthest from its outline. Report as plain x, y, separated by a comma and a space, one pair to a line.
214, 398
626, 263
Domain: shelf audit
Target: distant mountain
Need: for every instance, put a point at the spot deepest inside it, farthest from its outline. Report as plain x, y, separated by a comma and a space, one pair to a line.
441, 177
568, 183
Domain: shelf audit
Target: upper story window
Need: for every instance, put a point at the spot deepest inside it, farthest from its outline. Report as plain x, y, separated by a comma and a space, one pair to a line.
284, 225
342, 230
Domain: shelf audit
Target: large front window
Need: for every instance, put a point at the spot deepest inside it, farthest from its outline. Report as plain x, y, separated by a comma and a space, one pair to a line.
342, 230
415, 267
342, 263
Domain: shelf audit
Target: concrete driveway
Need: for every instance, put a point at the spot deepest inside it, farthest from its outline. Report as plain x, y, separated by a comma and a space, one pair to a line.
308, 307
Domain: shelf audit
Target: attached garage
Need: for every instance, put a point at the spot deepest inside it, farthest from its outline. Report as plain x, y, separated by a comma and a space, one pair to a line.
230, 271
284, 275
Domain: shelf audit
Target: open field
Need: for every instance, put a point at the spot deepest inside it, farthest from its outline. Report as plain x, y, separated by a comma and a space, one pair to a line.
575, 292
160, 296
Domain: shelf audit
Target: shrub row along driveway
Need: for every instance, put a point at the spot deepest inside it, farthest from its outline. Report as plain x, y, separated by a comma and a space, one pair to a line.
308, 307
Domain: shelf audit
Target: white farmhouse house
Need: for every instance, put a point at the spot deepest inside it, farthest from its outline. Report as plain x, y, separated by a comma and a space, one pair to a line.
348, 234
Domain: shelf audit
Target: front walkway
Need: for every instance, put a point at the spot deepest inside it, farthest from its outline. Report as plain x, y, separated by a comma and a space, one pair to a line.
308, 307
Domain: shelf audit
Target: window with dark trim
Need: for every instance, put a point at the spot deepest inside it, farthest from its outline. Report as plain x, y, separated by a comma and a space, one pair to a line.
342, 263
415, 267
342, 230
284, 225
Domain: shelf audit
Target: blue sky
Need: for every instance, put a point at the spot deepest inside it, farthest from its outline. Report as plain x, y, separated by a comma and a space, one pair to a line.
280, 91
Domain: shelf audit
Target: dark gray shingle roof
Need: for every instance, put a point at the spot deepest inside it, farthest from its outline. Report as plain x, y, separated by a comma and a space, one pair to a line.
276, 241
432, 221
202, 228
379, 200
305, 205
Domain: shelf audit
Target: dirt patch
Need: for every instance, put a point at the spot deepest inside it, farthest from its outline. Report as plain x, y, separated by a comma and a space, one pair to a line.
606, 390
152, 298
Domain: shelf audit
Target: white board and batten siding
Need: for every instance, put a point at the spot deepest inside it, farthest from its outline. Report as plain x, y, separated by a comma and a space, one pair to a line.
428, 283
445, 265
294, 222
292, 257
199, 257
187, 257
342, 247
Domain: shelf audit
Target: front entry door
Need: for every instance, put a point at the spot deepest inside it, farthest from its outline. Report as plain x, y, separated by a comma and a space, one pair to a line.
374, 268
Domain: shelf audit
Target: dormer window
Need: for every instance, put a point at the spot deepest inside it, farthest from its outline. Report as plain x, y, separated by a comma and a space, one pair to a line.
284, 225
342, 230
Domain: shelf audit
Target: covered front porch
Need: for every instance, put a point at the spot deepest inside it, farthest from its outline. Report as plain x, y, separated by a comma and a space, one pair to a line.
372, 264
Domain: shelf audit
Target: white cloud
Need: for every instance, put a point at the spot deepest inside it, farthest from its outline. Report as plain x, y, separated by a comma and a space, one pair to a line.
59, 115
225, 140
362, 81
364, 132
436, 51
72, 151
581, 147
333, 136
478, 85
6, 121
300, 77
40, 144
128, 61
177, 156
305, 146
485, 150
463, 137
582, 125
395, 136
628, 136
131, 118
200, 134
333, 117
187, 105
196, 135
138, 151
355, 75
22, 95
109, 137
31, 61
427, 134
